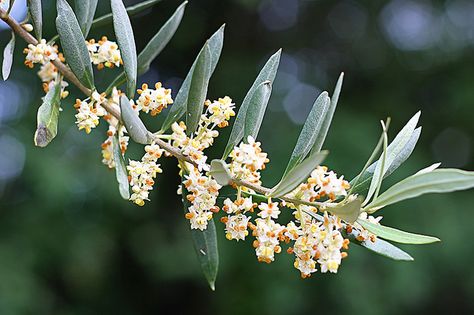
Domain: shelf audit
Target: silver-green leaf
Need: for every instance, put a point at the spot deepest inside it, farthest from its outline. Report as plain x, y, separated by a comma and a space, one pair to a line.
47, 117
256, 109
310, 131
298, 174
385, 249
179, 107
198, 90
349, 211
393, 151
160, 40
318, 144
85, 11
220, 172
36, 14
135, 127
361, 183
268, 73
395, 235
154, 46
126, 42
120, 168
436, 181
73, 44
8, 58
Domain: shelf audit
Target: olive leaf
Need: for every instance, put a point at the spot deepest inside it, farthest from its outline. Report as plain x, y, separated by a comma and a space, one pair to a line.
160, 40
135, 127
362, 181
391, 153
436, 181
220, 172
74, 45
326, 123
395, 235
349, 211
85, 11
377, 177
120, 168
310, 131
198, 89
179, 107
205, 245
48, 115
36, 14
154, 46
126, 41
298, 174
384, 248
267, 73
256, 109
8, 58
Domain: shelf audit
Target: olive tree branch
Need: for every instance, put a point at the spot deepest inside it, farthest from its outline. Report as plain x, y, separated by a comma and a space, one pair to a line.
115, 111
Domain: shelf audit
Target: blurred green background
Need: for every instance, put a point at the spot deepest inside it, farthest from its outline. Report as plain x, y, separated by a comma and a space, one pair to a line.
70, 245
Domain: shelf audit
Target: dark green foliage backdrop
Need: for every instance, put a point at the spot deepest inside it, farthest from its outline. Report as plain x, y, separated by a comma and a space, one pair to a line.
70, 245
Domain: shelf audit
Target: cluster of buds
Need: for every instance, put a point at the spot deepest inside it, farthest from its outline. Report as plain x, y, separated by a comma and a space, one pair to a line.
104, 53
153, 100
248, 160
202, 194
89, 111
142, 174
316, 245
41, 53
217, 115
236, 221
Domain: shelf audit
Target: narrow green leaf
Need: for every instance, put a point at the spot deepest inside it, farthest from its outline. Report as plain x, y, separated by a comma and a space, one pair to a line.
179, 107
349, 212
256, 109
267, 73
310, 131
220, 172
74, 44
131, 10
10, 6
376, 151
47, 117
198, 90
160, 40
385, 249
154, 46
379, 169
36, 14
429, 168
395, 235
396, 147
120, 168
361, 183
298, 174
8, 58
205, 245
318, 144
85, 11
135, 127
436, 181
126, 42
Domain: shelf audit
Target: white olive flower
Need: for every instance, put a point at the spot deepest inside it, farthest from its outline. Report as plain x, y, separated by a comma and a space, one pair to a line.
41, 53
